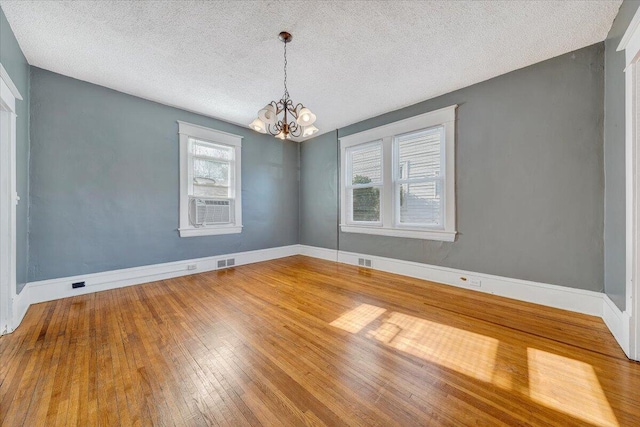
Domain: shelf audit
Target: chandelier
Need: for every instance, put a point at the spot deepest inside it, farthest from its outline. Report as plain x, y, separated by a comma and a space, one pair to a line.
275, 117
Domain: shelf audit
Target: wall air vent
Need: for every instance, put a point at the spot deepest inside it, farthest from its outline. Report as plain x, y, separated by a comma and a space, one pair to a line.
364, 262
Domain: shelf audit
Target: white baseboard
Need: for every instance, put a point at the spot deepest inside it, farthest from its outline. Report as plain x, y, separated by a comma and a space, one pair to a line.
20, 306
618, 323
577, 300
322, 253
48, 290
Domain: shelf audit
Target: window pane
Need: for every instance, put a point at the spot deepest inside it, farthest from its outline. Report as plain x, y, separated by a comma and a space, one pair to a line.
366, 164
419, 153
210, 172
366, 204
212, 192
421, 203
201, 148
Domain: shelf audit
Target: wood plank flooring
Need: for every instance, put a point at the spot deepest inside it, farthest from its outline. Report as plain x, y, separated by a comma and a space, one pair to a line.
300, 341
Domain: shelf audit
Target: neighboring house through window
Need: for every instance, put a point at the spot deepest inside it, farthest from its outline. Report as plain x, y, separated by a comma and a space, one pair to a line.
210, 190
399, 179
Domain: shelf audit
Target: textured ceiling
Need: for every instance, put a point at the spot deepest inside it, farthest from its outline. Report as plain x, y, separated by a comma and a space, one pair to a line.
349, 60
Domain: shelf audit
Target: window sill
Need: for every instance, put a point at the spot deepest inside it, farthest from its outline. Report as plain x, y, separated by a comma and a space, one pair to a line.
209, 231
441, 235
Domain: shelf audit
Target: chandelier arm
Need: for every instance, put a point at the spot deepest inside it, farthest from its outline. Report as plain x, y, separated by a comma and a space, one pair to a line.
280, 106
295, 132
275, 130
294, 110
297, 110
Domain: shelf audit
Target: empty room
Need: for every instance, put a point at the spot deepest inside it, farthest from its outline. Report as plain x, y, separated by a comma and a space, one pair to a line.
320, 213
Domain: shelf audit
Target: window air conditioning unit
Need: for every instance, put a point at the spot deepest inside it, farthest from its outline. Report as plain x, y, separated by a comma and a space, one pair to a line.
204, 212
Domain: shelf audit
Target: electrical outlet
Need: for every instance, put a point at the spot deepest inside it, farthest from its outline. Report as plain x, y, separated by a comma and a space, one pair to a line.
471, 281
192, 266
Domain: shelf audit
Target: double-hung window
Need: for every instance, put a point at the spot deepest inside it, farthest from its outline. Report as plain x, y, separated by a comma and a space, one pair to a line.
210, 190
399, 179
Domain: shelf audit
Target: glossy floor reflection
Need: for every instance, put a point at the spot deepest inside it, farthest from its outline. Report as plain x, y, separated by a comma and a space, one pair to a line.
561, 383
299, 341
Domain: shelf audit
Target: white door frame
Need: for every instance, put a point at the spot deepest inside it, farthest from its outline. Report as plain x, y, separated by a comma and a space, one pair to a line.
630, 43
8, 200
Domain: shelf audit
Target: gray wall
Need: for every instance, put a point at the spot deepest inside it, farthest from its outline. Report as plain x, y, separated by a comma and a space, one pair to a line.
529, 177
104, 182
614, 142
16, 65
319, 173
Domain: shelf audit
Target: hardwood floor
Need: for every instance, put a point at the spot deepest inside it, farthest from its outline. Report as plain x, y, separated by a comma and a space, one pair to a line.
299, 341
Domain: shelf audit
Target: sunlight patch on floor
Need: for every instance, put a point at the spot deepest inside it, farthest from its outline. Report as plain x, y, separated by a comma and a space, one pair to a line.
568, 386
463, 351
355, 320
556, 382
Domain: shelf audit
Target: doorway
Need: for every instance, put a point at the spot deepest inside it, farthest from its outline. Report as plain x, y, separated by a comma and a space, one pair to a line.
630, 43
8, 200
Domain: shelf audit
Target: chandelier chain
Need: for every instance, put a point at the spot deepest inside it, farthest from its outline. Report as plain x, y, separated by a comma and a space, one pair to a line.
286, 91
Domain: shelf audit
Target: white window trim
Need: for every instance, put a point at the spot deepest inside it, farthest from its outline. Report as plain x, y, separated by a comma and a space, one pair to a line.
442, 117
186, 131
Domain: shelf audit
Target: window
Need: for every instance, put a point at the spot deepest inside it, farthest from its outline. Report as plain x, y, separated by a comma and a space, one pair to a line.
210, 195
399, 179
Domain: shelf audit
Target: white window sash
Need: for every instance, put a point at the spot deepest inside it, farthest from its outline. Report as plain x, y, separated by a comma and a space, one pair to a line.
350, 219
399, 181
374, 184
230, 162
416, 225
211, 158
349, 162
